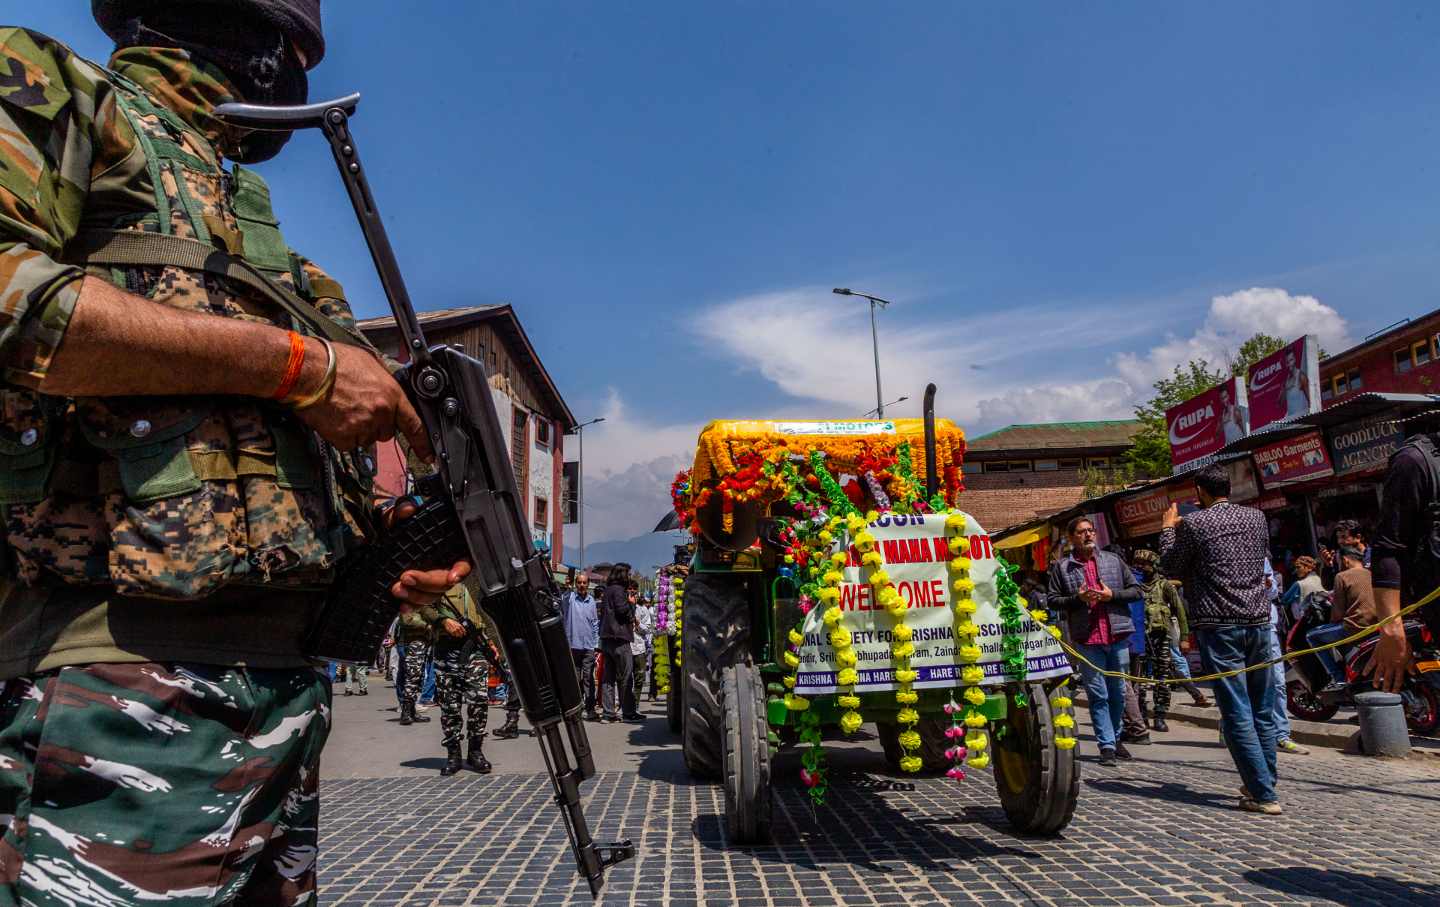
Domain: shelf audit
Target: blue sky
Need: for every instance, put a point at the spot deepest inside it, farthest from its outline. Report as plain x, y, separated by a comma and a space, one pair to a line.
1060, 201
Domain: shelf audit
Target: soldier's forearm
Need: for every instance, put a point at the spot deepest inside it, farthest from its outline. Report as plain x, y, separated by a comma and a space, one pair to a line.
118, 343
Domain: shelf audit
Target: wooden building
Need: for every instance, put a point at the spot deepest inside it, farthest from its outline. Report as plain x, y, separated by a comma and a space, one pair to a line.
533, 416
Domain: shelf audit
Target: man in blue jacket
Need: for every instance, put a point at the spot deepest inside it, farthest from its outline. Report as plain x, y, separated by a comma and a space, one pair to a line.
1094, 589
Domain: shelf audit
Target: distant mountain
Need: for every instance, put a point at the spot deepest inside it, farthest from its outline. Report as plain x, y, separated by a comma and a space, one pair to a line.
643, 552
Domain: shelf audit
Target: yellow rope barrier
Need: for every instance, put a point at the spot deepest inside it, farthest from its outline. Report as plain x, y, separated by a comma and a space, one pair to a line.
1175, 681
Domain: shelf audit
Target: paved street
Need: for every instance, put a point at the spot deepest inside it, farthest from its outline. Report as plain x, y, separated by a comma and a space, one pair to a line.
1160, 830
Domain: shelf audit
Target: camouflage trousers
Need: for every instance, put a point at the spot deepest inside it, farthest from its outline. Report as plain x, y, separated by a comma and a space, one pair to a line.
462, 681
188, 785
416, 654
1159, 665
355, 674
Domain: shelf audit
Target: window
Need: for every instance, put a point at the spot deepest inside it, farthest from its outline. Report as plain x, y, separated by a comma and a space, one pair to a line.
1420, 351
1074, 463
518, 449
996, 466
1099, 462
1019, 465
1356, 382
542, 433
542, 514
1327, 390
1046, 465
1402, 361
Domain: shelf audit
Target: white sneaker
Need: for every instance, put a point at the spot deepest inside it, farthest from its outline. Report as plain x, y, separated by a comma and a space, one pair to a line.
1291, 747
1265, 809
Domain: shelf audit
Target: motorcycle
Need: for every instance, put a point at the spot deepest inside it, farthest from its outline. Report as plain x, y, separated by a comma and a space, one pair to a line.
1307, 681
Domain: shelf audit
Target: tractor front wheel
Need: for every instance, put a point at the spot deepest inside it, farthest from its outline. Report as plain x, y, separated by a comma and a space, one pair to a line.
747, 756
1038, 781
715, 635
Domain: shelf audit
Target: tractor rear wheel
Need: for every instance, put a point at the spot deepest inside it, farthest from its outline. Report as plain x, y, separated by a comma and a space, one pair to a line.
748, 804
932, 744
1038, 781
715, 635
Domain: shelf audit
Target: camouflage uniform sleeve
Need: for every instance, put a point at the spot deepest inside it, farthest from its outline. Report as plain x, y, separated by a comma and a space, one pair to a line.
330, 301
53, 106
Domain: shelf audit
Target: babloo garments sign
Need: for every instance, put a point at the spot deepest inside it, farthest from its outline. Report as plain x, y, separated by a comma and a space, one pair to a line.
1296, 460
1141, 514
1366, 447
1285, 384
1206, 422
917, 556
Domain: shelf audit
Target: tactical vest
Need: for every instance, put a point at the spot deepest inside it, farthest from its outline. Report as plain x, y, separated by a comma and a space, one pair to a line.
176, 497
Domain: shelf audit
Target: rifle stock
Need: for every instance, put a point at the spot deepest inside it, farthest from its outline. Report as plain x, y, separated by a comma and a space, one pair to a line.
470, 508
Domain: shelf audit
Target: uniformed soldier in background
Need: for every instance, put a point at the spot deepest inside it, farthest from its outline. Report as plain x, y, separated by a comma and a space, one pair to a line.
415, 639
174, 492
462, 677
1165, 625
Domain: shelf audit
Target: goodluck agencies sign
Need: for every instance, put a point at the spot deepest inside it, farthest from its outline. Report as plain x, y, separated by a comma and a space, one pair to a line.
1366, 447
1205, 423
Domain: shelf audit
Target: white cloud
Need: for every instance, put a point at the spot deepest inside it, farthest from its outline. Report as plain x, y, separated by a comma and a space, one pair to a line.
1230, 321
994, 365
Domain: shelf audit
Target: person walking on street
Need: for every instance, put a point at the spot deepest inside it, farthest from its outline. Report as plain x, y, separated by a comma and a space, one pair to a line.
1283, 743
1164, 624
617, 614
415, 640
1094, 589
1219, 553
501, 666
640, 646
462, 677
582, 628
358, 675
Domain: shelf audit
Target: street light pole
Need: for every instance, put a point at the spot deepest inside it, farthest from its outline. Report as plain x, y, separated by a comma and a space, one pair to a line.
580, 486
874, 341
877, 411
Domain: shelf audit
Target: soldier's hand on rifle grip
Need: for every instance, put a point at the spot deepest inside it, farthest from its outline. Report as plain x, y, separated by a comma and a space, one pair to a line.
417, 588
365, 405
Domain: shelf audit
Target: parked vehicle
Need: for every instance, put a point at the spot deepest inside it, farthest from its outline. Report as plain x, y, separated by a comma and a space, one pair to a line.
1307, 679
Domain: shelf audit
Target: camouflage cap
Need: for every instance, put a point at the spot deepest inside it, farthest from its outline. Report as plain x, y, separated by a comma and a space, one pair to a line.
1145, 556
298, 20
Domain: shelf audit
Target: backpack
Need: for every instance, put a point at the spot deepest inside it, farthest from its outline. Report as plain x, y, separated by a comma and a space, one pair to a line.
1422, 572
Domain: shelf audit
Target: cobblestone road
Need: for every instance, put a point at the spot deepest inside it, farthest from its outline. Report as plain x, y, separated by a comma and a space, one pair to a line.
1160, 830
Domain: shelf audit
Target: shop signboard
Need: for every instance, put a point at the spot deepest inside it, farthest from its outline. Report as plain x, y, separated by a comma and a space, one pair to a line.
1206, 422
1142, 513
1273, 501
1299, 459
917, 558
1364, 447
1285, 384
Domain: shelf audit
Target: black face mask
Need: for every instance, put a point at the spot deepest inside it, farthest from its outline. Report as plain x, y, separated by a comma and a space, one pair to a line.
254, 56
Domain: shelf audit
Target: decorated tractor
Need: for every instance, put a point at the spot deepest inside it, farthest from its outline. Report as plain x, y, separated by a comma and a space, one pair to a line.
835, 583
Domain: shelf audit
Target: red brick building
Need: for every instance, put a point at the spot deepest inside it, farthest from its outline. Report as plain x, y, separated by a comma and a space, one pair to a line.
1401, 359
533, 416
1022, 472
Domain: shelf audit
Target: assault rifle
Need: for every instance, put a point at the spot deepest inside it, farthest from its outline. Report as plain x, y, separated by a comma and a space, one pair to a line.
469, 509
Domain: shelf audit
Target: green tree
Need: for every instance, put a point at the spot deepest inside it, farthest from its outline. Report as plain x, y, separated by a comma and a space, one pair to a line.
1150, 455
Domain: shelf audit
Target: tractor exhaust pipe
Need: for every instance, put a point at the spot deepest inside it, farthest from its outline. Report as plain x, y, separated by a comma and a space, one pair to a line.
932, 479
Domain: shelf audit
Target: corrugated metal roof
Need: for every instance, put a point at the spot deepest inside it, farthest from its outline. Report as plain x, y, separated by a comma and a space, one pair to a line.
1057, 436
388, 321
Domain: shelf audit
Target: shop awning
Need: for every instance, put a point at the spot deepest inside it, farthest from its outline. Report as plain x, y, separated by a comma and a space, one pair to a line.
1024, 535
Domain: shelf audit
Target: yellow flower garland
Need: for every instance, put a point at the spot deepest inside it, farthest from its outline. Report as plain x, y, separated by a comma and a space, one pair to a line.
967, 650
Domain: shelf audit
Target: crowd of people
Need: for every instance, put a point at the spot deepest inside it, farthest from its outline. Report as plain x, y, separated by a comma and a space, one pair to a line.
1212, 580
446, 653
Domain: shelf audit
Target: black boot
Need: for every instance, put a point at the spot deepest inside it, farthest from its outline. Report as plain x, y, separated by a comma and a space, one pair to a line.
452, 761
510, 729
476, 760
407, 713
418, 716
1159, 723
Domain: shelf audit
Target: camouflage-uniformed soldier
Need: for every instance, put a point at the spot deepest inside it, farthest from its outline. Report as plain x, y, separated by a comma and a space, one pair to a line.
1164, 617
462, 677
415, 639
172, 497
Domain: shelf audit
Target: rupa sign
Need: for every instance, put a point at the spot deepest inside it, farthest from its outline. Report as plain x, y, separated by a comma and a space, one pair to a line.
1285, 384
1206, 422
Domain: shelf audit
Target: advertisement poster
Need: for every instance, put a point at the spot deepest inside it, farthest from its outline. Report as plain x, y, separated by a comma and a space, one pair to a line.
1285, 384
917, 556
1296, 460
1206, 422
1366, 447
1141, 514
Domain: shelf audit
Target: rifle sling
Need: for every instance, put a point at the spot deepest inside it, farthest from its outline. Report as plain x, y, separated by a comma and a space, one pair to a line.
134, 247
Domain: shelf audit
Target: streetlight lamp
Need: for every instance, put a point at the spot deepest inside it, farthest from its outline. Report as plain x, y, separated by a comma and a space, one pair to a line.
878, 410
874, 340
580, 485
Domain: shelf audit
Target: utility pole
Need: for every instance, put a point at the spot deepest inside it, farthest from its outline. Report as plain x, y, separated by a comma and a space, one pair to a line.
580, 487
874, 341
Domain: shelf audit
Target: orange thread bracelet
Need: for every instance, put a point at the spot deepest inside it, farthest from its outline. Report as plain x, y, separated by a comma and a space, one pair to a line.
292, 367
